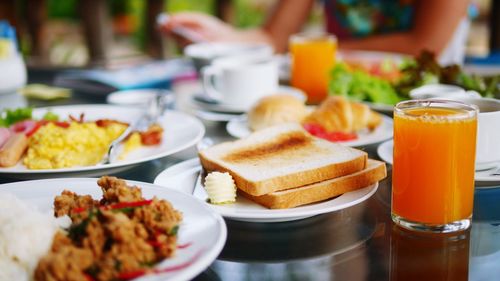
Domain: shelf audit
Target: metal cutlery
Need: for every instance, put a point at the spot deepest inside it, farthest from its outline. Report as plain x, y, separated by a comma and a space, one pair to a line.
154, 110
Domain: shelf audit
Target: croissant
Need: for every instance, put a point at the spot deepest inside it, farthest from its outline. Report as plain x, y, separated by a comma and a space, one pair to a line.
336, 114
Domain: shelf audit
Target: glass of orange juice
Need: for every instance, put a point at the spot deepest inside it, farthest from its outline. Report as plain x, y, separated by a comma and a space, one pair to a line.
313, 56
433, 169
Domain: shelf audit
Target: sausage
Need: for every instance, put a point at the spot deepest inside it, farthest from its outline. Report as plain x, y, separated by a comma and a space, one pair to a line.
13, 149
4, 136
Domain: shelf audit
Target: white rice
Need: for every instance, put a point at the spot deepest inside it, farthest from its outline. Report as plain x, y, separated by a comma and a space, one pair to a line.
25, 236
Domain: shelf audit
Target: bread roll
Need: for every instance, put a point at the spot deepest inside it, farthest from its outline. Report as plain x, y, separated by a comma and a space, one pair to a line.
276, 109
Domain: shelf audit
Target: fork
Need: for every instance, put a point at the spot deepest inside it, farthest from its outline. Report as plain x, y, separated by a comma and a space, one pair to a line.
140, 125
155, 109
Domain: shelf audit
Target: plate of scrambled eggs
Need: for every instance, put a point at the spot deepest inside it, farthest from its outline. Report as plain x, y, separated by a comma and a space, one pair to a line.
72, 147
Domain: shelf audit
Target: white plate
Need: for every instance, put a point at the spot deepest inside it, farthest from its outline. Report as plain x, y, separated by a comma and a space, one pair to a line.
201, 226
184, 177
180, 132
135, 97
384, 151
207, 103
239, 128
483, 179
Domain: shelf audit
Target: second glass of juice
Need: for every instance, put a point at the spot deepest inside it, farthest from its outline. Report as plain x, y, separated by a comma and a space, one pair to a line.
433, 169
313, 57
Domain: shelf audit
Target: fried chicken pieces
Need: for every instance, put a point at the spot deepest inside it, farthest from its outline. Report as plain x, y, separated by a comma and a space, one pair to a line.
120, 234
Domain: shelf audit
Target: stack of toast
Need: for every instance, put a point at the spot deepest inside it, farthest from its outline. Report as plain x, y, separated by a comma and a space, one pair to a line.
284, 167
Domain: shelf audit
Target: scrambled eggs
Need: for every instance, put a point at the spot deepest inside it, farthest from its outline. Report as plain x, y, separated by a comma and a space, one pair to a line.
80, 144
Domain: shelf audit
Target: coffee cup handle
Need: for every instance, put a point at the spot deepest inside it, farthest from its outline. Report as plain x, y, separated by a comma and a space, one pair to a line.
209, 74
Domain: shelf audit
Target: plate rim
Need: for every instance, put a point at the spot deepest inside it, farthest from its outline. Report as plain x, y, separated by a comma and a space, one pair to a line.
200, 127
241, 120
281, 214
262, 215
199, 266
113, 97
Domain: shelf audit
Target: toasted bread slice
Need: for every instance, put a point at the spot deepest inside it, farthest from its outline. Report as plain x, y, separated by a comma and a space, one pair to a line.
281, 157
374, 172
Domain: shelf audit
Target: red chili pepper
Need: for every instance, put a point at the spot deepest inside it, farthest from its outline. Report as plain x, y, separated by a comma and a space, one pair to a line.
123, 205
115, 206
78, 210
88, 277
33, 130
155, 243
61, 124
182, 246
131, 274
138, 273
107, 122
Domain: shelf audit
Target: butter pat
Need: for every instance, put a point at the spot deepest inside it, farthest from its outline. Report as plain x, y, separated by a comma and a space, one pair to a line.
220, 188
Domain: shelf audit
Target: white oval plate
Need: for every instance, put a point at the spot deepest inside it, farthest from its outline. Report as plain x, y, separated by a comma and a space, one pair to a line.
180, 132
201, 226
483, 179
207, 104
184, 177
239, 128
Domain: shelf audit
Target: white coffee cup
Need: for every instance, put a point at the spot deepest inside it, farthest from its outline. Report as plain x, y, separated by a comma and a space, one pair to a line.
203, 54
488, 132
442, 91
240, 81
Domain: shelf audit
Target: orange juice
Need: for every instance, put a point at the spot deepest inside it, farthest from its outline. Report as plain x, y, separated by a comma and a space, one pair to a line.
433, 171
312, 59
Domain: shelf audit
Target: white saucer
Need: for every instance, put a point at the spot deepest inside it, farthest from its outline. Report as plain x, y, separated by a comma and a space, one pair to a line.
184, 177
483, 179
239, 128
215, 116
206, 103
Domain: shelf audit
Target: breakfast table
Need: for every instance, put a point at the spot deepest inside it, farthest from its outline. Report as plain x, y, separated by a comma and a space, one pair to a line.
357, 243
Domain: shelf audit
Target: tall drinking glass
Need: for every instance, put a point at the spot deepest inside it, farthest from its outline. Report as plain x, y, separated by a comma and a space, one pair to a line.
313, 57
433, 170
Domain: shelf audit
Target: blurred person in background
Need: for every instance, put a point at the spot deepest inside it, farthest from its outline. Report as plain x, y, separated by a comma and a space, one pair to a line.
402, 26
